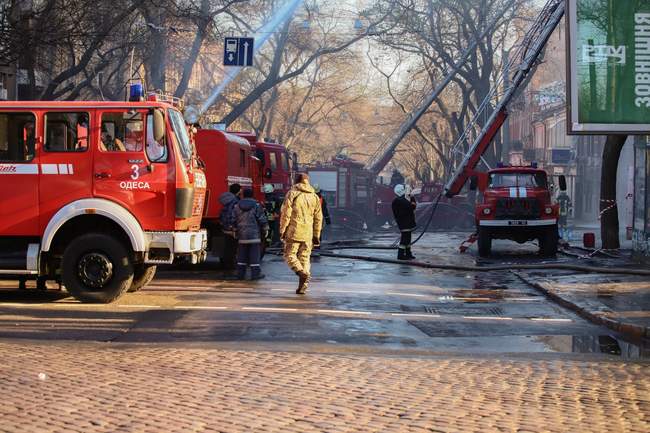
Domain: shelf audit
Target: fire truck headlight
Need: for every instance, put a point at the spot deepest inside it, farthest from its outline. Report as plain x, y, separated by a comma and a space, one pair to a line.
548, 210
487, 211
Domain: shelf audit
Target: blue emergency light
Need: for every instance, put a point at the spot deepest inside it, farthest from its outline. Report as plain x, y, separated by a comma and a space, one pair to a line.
136, 92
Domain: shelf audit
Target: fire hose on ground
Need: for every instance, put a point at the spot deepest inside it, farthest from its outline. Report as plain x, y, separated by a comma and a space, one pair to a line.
493, 268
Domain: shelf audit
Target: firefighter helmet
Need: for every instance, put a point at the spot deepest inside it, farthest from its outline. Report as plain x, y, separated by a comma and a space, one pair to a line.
268, 188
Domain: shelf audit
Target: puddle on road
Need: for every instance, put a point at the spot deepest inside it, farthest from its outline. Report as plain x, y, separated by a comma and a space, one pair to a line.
605, 344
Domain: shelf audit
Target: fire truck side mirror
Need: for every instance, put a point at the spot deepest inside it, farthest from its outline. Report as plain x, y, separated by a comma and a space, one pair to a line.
158, 126
562, 180
473, 183
259, 154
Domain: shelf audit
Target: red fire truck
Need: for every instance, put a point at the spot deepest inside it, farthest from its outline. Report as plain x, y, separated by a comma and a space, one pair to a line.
228, 159
278, 165
516, 205
349, 190
96, 194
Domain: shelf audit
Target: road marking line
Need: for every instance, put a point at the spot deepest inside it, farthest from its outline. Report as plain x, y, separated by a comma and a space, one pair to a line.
283, 290
198, 307
268, 309
368, 313
138, 306
542, 319
486, 318
407, 294
18, 304
354, 292
415, 315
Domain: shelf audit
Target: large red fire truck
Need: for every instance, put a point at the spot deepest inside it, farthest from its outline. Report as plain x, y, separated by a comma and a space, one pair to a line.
96, 194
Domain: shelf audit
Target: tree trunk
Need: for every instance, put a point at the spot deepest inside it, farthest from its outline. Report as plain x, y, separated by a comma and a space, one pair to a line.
609, 229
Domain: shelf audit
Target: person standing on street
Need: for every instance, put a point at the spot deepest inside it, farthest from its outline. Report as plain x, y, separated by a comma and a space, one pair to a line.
252, 226
564, 201
300, 226
404, 213
272, 207
228, 200
324, 209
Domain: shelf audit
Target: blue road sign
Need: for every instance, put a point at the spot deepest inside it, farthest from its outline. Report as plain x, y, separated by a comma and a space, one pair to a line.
238, 51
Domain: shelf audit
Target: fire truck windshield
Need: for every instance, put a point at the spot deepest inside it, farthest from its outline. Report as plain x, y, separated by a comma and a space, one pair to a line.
508, 180
182, 137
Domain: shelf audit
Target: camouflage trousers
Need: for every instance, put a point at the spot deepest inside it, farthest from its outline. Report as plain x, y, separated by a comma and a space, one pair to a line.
298, 255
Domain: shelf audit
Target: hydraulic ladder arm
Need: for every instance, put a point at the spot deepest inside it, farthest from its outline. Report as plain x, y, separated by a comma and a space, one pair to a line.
523, 62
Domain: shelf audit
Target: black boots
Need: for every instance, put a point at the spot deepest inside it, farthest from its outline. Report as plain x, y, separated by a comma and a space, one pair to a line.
241, 272
405, 254
256, 273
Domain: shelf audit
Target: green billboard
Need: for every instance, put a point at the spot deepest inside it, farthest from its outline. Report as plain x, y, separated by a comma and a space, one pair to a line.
609, 66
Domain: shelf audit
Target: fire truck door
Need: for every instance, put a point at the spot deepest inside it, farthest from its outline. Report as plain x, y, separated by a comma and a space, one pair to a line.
18, 175
65, 161
132, 169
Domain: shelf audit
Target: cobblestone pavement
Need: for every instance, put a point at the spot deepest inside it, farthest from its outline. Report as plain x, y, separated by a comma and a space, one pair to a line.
99, 387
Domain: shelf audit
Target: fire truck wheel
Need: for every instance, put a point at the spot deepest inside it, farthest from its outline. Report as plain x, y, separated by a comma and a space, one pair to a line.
96, 268
484, 242
142, 275
548, 241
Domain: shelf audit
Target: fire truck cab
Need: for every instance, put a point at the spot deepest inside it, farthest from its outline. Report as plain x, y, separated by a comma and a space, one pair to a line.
516, 204
96, 194
277, 165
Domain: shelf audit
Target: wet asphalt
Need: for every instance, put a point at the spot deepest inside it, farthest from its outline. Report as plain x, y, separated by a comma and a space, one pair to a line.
351, 306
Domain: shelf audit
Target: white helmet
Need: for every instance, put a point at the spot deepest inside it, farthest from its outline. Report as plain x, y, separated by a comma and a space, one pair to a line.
316, 187
399, 190
268, 188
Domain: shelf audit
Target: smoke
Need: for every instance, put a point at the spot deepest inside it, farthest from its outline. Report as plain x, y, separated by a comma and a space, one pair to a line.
261, 37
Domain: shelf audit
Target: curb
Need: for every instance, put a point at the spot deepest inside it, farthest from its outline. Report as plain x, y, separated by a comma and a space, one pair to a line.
636, 331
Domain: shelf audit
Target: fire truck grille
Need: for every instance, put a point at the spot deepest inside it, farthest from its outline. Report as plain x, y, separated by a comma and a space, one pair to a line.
517, 208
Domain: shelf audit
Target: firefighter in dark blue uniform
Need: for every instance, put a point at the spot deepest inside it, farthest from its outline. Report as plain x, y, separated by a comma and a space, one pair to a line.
404, 213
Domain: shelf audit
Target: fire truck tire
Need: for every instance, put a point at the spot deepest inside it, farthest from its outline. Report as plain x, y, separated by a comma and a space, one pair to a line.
548, 241
484, 242
142, 275
96, 268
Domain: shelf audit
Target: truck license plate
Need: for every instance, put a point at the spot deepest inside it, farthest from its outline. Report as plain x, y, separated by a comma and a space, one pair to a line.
518, 223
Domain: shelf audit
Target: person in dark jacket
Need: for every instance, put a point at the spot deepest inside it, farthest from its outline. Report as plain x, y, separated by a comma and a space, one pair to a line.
404, 213
252, 227
326, 213
228, 200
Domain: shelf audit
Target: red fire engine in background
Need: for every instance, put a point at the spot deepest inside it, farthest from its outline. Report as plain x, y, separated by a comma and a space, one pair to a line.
278, 164
239, 157
228, 159
96, 194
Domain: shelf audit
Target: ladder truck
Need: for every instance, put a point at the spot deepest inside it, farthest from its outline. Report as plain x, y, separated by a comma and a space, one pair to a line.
478, 136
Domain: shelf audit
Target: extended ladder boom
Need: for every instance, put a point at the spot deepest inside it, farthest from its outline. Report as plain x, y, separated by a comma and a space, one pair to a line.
527, 56
385, 153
